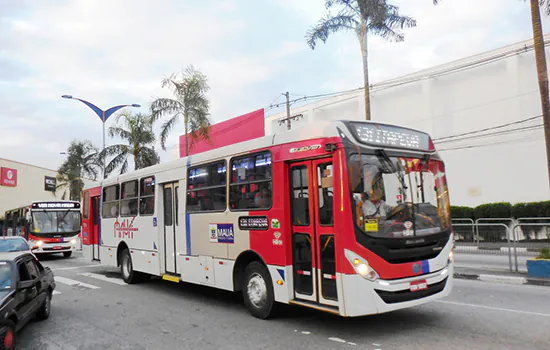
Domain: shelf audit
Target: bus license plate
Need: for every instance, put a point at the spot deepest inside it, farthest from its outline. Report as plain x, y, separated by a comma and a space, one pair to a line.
58, 247
419, 285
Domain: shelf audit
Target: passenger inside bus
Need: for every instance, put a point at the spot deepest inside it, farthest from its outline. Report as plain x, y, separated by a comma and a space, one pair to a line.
262, 198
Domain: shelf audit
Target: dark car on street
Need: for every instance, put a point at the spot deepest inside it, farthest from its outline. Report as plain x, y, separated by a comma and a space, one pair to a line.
26, 289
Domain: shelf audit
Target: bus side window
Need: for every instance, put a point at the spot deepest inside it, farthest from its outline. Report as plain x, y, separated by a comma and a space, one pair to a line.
111, 196
251, 185
206, 187
129, 202
147, 196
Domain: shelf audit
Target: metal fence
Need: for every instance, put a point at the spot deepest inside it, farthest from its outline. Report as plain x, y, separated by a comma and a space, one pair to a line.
500, 243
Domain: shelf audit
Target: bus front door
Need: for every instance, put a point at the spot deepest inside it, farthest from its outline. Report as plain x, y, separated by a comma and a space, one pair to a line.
95, 228
313, 248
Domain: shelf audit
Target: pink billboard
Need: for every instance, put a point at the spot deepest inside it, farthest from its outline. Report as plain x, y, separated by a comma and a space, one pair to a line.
242, 128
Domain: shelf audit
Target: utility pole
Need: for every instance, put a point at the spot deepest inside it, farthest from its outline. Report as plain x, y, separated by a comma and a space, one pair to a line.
542, 73
287, 110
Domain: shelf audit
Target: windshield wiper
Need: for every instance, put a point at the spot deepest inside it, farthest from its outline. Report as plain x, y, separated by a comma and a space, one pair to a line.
388, 165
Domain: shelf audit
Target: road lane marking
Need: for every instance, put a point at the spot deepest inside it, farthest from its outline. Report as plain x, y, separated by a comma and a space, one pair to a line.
75, 283
104, 278
56, 292
75, 267
493, 308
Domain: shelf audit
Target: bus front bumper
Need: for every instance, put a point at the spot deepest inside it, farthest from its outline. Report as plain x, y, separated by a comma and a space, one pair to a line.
58, 247
363, 297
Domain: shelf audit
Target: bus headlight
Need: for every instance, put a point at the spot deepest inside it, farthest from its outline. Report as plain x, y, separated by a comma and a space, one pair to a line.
361, 266
451, 255
73, 241
39, 243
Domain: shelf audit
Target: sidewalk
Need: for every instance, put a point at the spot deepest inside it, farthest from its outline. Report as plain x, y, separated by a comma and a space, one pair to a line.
498, 276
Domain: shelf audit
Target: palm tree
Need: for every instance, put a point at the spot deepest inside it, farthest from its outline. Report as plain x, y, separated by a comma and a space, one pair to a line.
542, 71
363, 17
137, 131
82, 161
190, 101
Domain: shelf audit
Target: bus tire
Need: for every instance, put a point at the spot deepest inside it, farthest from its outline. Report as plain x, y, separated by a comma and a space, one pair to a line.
67, 254
257, 291
127, 268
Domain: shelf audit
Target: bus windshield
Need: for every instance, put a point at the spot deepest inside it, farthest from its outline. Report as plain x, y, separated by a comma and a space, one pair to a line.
398, 197
48, 222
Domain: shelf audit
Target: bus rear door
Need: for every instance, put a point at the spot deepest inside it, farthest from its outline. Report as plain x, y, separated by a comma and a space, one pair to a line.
313, 248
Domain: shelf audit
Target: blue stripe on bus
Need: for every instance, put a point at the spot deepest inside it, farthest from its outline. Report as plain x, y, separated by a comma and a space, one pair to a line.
188, 221
425, 266
188, 233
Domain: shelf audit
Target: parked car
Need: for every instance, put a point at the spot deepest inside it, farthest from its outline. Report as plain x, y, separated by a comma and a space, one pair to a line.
15, 244
26, 289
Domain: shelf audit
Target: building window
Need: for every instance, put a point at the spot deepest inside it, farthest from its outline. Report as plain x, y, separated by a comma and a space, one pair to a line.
111, 196
251, 185
129, 201
147, 196
207, 188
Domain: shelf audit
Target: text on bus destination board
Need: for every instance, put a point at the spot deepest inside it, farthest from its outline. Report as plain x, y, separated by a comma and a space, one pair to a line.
253, 223
390, 136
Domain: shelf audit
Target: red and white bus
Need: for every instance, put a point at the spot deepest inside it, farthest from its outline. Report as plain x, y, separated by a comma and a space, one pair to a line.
49, 226
347, 217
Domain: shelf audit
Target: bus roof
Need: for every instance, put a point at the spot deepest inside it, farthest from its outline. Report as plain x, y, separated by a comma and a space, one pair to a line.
318, 130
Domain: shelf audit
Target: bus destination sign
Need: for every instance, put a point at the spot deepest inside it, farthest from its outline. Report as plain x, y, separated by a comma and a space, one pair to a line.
253, 223
55, 205
391, 136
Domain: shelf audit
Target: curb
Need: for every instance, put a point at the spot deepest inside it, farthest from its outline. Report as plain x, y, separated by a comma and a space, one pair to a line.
503, 279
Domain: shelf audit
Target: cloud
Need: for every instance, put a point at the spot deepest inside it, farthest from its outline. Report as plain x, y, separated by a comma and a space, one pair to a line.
113, 52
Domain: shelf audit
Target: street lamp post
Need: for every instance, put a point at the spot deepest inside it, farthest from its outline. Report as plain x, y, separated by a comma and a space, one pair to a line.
103, 115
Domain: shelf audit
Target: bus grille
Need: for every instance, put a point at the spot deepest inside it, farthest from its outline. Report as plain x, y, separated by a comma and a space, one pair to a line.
406, 295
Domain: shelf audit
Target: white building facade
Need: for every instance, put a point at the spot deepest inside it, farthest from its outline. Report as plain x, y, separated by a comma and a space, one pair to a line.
21, 184
483, 112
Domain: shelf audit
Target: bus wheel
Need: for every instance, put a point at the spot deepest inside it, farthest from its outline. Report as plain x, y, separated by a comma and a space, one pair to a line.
258, 291
127, 268
67, 254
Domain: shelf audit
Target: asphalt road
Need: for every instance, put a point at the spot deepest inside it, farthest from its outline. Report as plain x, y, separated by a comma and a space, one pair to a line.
103, 313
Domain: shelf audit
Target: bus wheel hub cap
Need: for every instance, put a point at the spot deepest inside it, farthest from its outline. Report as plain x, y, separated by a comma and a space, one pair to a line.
257, 290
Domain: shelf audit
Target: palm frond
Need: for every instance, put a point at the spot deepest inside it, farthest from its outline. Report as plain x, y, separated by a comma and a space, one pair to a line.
116, 162
165, 130
163, 106
329, 24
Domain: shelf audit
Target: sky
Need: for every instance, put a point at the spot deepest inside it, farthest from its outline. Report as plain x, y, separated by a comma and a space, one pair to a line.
117, 52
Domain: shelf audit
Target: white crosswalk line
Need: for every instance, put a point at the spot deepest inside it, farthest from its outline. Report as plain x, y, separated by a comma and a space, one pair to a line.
56, 292
75, 283
104, 278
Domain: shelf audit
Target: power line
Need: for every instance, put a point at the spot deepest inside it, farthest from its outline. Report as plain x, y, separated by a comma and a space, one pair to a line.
487, 129
525, 139
498, 133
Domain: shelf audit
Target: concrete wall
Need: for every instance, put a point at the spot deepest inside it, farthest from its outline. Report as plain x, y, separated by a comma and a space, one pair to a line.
30, 186
479, 92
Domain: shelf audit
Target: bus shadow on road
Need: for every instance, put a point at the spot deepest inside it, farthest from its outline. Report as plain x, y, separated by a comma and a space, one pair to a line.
201, 298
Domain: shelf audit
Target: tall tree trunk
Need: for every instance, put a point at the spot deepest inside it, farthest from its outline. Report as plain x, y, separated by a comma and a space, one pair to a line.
135, 153
186, 121
362, 36
542, 72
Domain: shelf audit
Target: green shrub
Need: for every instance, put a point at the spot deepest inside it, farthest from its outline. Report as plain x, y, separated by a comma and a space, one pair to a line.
493, 210
544, 254
532, 209
458, 212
